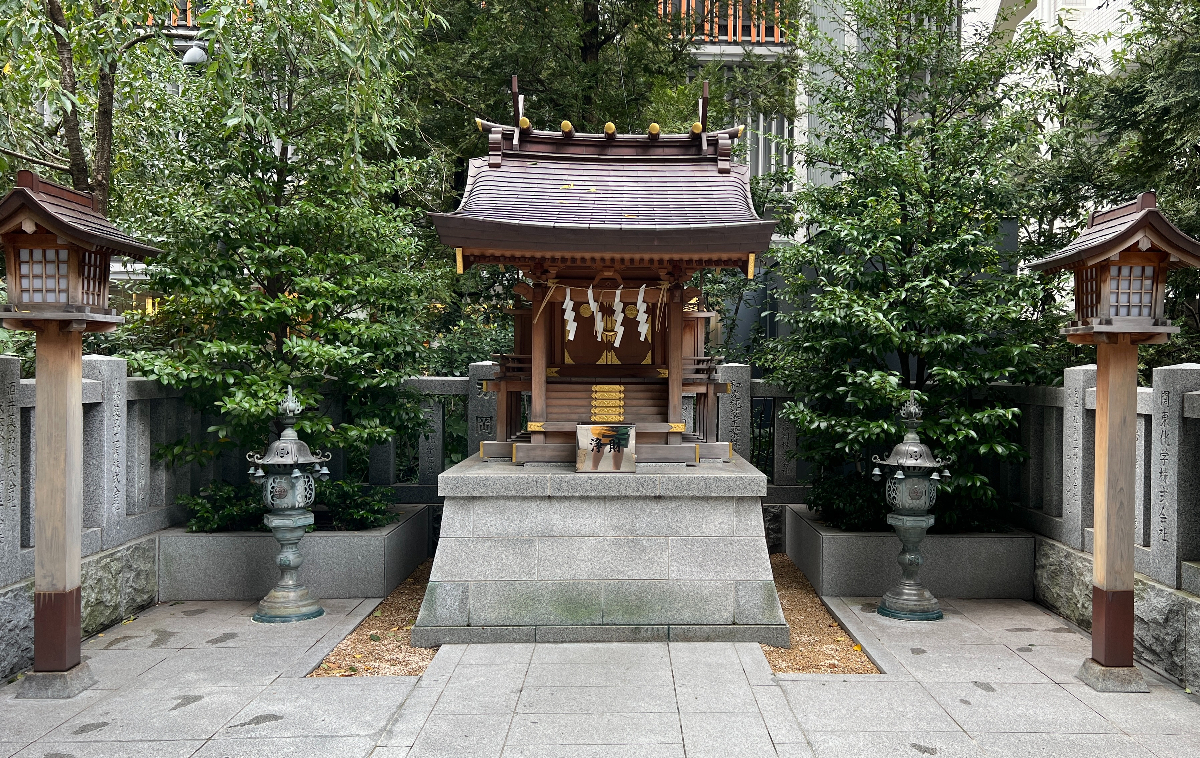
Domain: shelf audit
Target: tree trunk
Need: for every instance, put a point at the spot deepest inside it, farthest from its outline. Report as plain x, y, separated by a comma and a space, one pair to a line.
102, 158
590, 44
66, 62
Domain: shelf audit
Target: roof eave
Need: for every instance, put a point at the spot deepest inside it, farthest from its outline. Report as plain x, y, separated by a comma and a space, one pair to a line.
1150, 217
743, 237
21, 198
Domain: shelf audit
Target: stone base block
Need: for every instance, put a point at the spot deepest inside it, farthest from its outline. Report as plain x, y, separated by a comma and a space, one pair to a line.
768, 634
56, 685
549, 554
1111, 678
863, 564
1166, 625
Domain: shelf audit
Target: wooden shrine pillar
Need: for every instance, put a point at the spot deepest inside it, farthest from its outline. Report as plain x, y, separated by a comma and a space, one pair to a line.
59, 496
675, 362
539, 347
1112, 568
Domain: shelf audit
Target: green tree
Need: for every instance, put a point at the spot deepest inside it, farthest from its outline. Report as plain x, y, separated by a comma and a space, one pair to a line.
288, 259
1144, 113
901, 283
68, 72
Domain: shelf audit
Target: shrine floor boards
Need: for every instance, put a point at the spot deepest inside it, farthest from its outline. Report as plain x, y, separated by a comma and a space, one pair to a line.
993, 678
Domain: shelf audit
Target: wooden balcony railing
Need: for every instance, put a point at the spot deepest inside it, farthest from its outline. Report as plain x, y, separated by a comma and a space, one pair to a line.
743, 22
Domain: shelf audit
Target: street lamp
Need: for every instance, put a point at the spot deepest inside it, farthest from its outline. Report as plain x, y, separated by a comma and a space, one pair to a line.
288, 490
1120, 265
911, 492
195, 57
57, 250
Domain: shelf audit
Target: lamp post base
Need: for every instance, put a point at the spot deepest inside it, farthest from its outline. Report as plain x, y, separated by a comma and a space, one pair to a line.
910, 601
56, 685
1111, 678
286, 606
289, 601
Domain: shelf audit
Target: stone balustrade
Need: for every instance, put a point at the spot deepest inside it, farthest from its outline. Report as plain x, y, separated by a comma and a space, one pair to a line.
1053, 487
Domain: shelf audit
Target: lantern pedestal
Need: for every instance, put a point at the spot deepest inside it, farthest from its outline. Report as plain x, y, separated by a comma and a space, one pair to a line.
56, 685
909, 600
1111, 678
289, 600
1110, 669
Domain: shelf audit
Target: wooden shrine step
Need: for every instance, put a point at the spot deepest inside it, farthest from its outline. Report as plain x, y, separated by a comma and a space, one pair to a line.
526, 452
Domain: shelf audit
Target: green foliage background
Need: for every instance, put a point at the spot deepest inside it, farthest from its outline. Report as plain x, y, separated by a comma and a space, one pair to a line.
289, 178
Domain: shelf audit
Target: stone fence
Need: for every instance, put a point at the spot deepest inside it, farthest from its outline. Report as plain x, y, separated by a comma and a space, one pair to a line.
1052, 491
127, 492
1053, 488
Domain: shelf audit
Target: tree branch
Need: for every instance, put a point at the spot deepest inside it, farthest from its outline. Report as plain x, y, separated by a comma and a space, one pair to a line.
174, 34
37, 161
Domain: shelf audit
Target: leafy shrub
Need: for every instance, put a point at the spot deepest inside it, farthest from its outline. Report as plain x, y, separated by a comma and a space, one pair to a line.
223, 507
353, 506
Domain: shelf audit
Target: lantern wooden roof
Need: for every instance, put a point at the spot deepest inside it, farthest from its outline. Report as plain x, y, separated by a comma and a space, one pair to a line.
70, 215
1138, 226
557, 201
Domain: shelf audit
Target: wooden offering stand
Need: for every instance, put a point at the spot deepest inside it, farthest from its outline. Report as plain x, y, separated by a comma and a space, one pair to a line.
607, 229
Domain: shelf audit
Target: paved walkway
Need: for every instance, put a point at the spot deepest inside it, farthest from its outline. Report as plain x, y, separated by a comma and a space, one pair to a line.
993, 678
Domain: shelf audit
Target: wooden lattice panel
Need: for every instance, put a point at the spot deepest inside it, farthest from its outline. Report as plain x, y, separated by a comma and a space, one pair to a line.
1131, 291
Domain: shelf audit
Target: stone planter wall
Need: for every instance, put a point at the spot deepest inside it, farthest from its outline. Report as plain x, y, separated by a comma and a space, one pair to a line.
115, 583
863, 564
241, 565
1166, 631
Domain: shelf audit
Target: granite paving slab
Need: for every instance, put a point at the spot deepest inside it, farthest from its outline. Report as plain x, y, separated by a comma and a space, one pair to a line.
114, 669
1008, 707
1064, 745
593, 751
23, 721
158, 749
1163, 710
219, 667
969, 690
964, 663
895, 745
1171, 745
849, 706
287, 747
162, 713
330, 707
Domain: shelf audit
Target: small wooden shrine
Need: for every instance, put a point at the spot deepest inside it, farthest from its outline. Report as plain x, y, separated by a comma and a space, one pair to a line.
607, 229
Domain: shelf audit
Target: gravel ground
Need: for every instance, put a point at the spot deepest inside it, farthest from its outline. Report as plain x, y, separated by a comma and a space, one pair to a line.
819, 644
380, 646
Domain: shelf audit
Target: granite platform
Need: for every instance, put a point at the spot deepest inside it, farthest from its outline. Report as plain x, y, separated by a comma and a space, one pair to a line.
545, 554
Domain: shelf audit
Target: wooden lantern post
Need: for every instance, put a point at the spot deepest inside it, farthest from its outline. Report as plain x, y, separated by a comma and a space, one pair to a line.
1120, 263
57, 251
